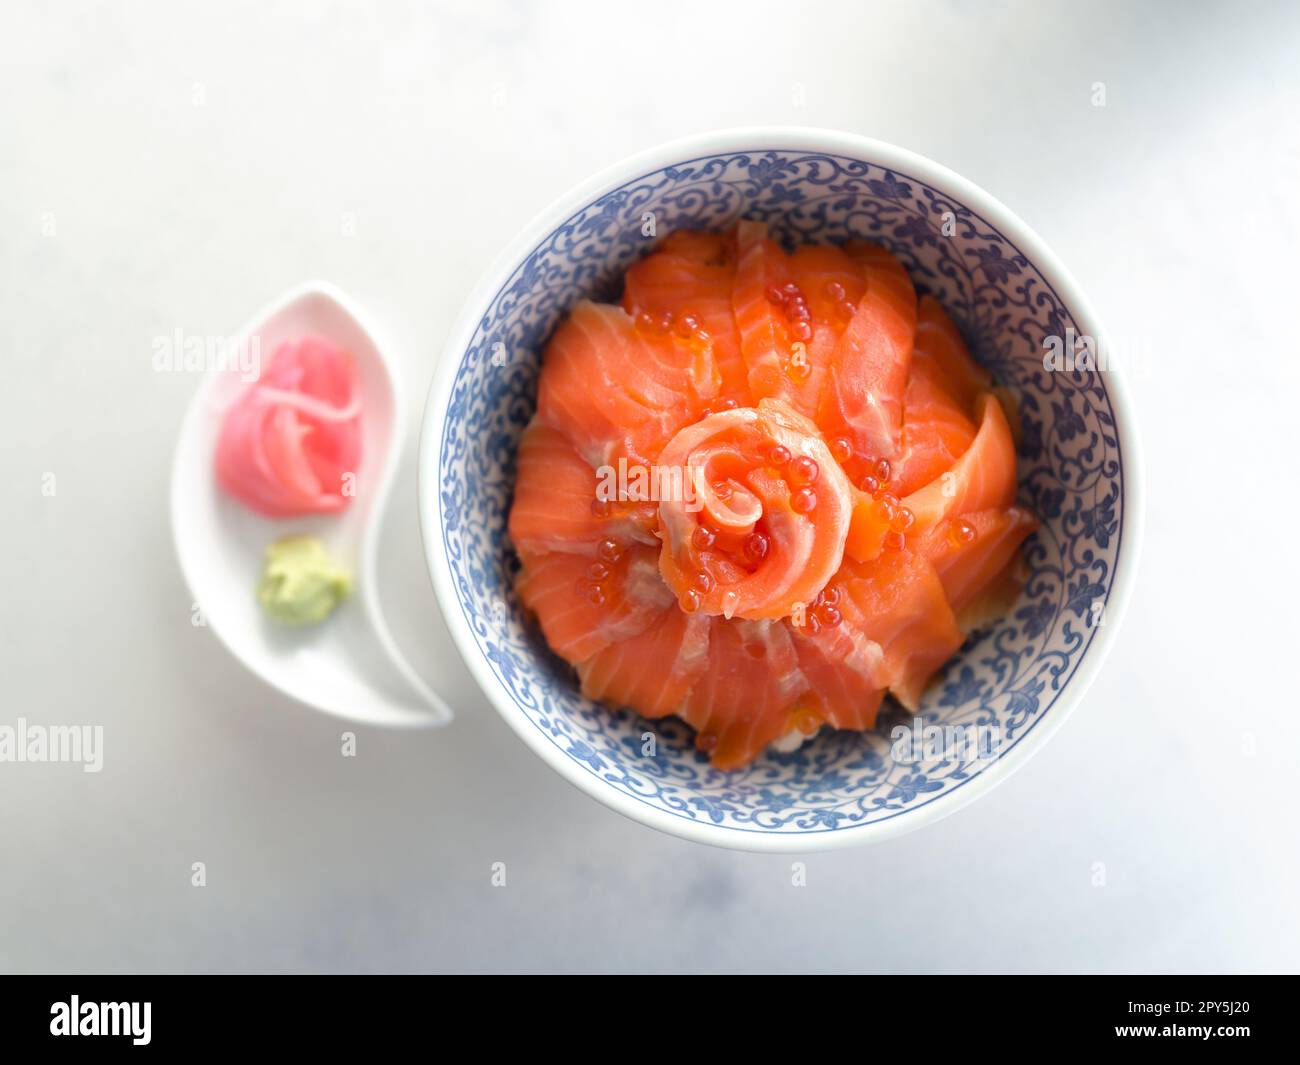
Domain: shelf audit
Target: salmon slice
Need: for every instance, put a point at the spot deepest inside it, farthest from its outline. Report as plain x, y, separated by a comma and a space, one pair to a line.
830, 285
996, 598
578, 623
761, 268
897, 601
691, 277
939, 342
616, 391
936, 428
844, 668
983, 478
832, 281
971, 559
871, 523
791, 311
742, 701
654, 672
555, 489
864, 398
739, 494
1011, 408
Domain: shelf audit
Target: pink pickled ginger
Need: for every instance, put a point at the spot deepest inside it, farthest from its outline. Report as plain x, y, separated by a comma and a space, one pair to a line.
291, 444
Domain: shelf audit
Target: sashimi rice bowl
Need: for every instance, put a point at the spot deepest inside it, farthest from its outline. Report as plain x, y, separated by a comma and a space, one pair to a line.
778, 490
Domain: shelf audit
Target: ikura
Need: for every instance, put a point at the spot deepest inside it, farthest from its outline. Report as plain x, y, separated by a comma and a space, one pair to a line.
962, 531
824, 611
807, 720
804, 470
654, 324
798, 369
756, 546
687, 326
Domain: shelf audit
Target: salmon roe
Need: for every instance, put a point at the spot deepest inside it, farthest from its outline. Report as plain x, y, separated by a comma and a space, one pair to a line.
656, 324
703, 537
609, 551
829, 616
803, 501
804, 470
756, 546
825, 608
807, 721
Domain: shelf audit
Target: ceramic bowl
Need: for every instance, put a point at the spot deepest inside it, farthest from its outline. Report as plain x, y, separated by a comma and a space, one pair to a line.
1016, 680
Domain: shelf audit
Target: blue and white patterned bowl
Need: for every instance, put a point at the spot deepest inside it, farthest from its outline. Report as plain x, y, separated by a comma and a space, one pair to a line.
1079, 473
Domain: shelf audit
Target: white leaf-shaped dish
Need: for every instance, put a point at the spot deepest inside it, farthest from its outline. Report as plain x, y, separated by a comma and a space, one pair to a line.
348, 665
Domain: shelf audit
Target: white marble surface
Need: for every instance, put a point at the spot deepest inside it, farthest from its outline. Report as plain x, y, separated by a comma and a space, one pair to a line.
172, 165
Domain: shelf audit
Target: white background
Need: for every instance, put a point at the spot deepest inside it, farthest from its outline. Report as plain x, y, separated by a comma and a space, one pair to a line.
196, 160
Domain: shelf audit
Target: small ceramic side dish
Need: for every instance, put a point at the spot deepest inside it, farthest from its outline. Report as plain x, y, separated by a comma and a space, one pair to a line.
348, 665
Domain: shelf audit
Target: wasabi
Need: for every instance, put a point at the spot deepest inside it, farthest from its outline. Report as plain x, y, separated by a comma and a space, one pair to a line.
301, 584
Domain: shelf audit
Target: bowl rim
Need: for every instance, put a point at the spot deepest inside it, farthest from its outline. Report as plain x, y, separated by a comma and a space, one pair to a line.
753, 139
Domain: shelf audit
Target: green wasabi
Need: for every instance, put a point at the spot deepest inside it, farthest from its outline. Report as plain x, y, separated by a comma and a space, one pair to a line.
301, 584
